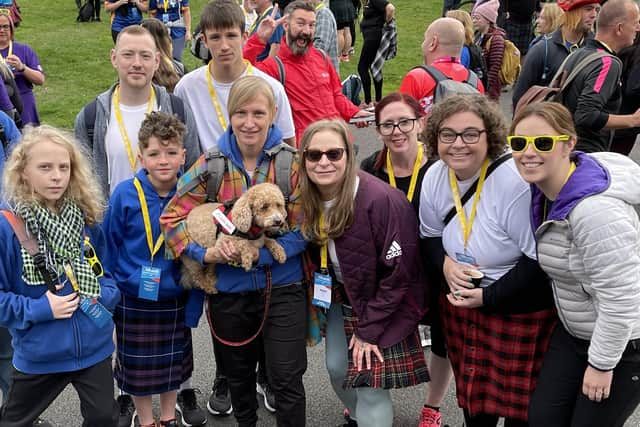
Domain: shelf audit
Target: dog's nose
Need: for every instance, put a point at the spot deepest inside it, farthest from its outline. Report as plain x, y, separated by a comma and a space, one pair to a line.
277, 222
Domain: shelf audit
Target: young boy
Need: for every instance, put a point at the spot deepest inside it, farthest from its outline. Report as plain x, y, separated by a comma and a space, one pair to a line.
154, 350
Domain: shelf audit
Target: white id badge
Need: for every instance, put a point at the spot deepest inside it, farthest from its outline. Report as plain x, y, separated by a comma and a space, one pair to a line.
321, 290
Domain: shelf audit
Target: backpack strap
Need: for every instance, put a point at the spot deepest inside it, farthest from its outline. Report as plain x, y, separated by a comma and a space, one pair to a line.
472, 79
281, 73
545, 63
177, 107
435, 74
90, 119
283, 155
472, 190
216, 166
577, 69
30, 244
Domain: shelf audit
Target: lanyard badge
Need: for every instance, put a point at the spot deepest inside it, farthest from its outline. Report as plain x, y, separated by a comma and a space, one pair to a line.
322, 279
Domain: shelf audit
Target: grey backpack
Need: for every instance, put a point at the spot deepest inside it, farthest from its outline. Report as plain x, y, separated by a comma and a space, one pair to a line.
446, 86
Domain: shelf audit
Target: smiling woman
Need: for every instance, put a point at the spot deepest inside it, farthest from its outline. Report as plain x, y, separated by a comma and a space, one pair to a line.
502, 327
587, 236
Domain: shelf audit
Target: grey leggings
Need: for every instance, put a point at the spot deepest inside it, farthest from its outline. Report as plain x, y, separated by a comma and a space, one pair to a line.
370, 407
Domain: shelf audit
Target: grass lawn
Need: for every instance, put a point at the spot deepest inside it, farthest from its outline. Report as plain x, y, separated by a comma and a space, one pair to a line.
75, 56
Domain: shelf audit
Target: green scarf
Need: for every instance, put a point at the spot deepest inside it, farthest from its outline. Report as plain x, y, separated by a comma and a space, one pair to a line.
60, 239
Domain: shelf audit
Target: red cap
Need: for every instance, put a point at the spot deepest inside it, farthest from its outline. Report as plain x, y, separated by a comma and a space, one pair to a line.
574, 4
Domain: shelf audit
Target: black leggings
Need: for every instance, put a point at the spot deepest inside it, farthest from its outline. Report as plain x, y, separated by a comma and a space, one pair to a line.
96, 8
486, 420
367, 55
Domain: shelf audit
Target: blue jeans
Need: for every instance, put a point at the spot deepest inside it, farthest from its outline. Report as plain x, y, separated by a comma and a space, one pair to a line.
6, 355
371, 407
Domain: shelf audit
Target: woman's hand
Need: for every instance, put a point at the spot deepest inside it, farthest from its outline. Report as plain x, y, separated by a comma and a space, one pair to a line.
455, 276
224, 253
360, 349
596, 384
15, 62
62, 307
466, 298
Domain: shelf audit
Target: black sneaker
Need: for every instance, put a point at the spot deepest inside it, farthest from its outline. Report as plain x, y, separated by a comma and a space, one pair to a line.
220, 400
264, 389
127, 410
41, 423
187, 405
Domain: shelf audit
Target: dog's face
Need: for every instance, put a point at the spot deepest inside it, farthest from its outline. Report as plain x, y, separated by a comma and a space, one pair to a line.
263, 206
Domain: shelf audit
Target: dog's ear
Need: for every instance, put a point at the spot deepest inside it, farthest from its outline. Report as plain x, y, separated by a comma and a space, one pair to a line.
242, 214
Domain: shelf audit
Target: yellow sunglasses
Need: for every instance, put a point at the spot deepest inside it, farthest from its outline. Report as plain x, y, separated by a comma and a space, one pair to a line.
92, 258
541, 143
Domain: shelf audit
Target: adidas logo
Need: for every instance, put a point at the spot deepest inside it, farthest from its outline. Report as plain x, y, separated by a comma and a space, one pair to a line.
394, 250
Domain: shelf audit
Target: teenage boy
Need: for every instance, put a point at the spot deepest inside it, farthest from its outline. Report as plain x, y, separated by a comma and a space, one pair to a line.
206, 89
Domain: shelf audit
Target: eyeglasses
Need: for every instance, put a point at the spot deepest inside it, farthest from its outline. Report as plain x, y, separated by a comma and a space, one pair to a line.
333, 154
469, 135
541, 143
5, 27
404, 126
92, 258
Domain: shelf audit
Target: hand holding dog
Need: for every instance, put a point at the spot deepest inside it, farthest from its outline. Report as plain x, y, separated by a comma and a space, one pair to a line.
224, 253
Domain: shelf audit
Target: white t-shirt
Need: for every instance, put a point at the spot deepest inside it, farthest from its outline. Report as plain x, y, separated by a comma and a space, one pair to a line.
501, 230
118, 163
194, 90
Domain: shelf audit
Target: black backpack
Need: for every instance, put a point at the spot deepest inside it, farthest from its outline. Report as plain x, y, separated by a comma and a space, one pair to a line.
85, 13
477, 64
13, 93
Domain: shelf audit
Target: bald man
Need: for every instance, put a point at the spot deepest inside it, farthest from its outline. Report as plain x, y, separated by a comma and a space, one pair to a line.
441, 48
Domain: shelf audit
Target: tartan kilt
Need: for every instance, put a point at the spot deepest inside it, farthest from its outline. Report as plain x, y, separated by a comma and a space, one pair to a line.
520, 33
496, 358
154, 351
404, 363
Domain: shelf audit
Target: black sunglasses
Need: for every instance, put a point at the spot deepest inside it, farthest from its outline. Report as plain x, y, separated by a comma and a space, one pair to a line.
333, 154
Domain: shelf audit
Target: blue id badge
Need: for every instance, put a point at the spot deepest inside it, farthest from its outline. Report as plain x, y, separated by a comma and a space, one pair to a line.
321, 290
165, 18
466, 259
149, 283
96, 311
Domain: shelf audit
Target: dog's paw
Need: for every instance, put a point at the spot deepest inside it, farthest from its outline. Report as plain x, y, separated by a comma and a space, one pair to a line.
278, 253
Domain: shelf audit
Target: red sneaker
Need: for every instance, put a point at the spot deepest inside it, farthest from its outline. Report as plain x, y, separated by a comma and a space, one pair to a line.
430, 418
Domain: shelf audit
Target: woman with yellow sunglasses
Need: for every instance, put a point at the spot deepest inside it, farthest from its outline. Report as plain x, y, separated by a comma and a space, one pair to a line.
588, 241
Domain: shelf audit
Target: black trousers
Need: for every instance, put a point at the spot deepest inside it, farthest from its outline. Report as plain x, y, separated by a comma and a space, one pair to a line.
558, 400
29, 395
96, 8
486, 420
236, 317
367, 56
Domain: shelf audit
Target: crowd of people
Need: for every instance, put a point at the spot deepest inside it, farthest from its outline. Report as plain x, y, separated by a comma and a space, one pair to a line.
519, 247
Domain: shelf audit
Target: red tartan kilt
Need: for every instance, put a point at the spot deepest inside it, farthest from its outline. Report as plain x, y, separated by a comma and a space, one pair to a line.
496, 358
404, 363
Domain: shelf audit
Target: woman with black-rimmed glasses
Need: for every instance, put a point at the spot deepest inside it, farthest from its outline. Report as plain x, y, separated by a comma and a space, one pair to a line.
474, 212
369, 276
588, 235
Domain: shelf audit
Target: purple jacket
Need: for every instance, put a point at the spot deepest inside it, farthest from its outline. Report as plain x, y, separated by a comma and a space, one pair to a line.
380, 262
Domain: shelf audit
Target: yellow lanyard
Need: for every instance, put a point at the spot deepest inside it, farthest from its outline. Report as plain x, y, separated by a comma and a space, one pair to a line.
414, 174
9, 52
166, 5
214, 97
319, 6
258, 19
123, 130
323, 248
465, 224
147, 222
572, 169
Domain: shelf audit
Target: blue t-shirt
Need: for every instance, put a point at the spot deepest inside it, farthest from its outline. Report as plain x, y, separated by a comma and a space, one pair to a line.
465, 56
173, 13
125, 15
275, 38
13, 136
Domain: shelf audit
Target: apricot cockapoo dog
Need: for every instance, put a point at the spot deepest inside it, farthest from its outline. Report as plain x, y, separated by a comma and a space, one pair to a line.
258, 211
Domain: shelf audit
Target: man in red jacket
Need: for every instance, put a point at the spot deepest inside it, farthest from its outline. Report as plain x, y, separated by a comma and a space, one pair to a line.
309, 79
441, 49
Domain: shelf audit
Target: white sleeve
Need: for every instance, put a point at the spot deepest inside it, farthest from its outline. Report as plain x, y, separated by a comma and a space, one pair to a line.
284, 118
515, 220
430, 223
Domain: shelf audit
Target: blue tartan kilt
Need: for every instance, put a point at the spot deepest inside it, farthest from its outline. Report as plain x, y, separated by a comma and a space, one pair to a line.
154, 347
